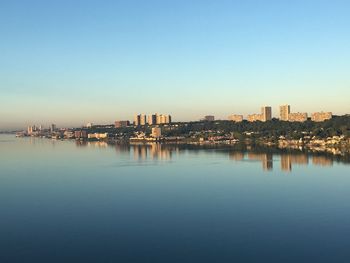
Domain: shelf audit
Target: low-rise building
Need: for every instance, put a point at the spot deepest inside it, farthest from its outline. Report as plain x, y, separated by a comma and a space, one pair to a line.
121, 124
98, 136
321, 116
254, 117
209, 118
235, 118
297, 117
156, 132
80, 134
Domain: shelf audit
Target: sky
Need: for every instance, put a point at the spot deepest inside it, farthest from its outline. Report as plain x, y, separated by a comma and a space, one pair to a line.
72, 62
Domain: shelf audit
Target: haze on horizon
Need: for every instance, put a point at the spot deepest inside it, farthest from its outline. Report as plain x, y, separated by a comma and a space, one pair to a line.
73, 62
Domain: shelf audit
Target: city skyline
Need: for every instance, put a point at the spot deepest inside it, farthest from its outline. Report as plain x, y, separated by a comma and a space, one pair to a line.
108, 61
154, 119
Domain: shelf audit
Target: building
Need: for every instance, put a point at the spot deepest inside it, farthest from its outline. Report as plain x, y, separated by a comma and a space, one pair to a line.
156, 132
266, 113
167, 118
68, 134
321, 116
297, 117
52, 127
97, 136
89, 125
209, 118
254, 117
163, 119
31, 129
137, 119
284, 112
152, 119
80, 134
235, 118
121, 124
143, 120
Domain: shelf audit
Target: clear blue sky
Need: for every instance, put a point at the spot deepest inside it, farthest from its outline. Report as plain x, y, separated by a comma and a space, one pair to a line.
71, 62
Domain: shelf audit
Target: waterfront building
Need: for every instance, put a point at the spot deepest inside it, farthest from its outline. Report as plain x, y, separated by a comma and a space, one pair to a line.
284, 112
97, 136
321, 116
52, 128
297, 117
266, 113
68, 134
80, 134
31, 129
235, 118
121, 124
156, 132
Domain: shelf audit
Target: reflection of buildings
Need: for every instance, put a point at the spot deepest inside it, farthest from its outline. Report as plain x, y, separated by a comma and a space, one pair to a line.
236, 156
153, 151
286, 163
287, 160
123, 147
321, 160
265, 158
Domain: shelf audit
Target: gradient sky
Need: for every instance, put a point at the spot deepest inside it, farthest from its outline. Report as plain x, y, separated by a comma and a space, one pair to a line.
72, 62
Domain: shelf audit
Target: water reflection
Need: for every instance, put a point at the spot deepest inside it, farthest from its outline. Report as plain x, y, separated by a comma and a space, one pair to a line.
269, 157
153, 151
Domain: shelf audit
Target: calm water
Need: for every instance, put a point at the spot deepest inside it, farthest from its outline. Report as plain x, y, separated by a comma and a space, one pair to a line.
67, 202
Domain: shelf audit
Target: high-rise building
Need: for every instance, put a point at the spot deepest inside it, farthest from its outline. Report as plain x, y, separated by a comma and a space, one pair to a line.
321, 116
163, 119
167, 118
235, 118
142, 119
152, 119
284, 112
137, 120
266, 113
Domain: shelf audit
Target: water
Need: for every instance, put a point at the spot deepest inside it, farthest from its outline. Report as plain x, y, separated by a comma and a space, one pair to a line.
67, 202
